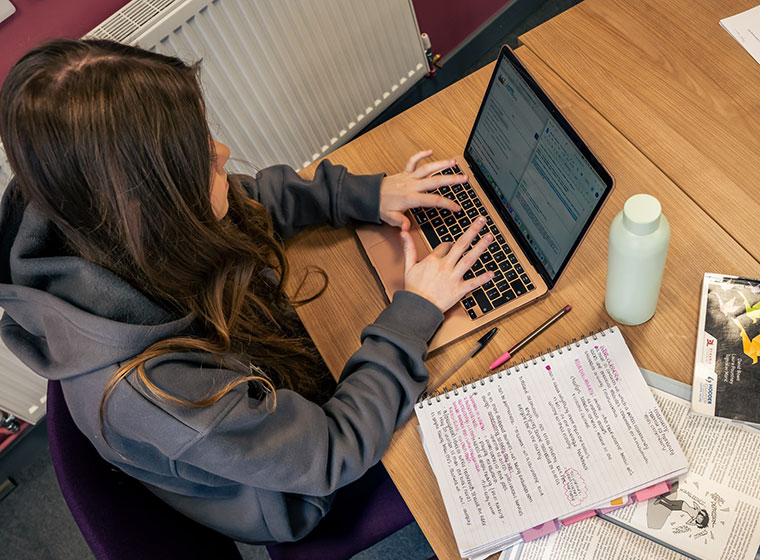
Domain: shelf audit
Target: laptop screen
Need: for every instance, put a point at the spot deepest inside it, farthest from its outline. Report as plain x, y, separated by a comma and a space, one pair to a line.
544, 181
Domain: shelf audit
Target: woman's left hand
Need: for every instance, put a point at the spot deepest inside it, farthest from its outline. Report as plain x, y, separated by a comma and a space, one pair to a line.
408, 189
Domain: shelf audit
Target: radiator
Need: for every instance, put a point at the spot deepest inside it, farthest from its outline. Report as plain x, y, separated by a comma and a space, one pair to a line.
5, 170
285, 81
22, 393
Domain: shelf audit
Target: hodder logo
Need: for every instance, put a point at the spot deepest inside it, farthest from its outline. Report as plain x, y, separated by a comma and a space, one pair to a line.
709, 389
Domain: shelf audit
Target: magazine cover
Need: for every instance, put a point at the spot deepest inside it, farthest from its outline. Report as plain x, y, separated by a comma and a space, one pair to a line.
726, 369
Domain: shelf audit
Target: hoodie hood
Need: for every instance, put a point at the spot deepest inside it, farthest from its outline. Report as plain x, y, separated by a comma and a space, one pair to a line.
65, 316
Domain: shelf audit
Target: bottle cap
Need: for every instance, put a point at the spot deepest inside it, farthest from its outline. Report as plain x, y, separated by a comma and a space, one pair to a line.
641, 214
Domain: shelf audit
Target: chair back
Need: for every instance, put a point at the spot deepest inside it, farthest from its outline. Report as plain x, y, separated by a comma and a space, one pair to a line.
118, 517
363, 513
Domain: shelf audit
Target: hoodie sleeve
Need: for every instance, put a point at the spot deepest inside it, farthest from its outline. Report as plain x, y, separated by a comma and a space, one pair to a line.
333, 195
303, 448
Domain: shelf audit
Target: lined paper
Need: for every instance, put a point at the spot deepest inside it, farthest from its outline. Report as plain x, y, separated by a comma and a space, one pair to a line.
564, 434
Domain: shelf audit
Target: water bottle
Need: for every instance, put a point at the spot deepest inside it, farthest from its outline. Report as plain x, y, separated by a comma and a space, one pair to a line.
639, 237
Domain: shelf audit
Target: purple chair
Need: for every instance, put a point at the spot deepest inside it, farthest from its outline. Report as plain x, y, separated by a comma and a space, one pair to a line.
121, 519
363, 513
118, 517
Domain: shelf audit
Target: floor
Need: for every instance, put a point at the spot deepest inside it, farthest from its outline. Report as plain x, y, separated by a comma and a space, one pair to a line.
34, 521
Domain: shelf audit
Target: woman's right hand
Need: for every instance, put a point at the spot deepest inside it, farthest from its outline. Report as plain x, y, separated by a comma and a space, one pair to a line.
439, 276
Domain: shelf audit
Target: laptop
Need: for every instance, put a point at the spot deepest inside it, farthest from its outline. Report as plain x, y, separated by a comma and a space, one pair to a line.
536, 182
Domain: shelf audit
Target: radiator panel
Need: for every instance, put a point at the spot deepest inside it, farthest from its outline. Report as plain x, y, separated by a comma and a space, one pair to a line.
288, 81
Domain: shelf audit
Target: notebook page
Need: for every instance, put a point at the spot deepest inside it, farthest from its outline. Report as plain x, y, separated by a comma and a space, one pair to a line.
546, 440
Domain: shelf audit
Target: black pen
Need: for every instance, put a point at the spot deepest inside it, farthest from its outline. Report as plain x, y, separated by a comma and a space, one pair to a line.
479, 345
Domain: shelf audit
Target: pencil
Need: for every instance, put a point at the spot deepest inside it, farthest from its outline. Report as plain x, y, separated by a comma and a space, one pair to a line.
509, 353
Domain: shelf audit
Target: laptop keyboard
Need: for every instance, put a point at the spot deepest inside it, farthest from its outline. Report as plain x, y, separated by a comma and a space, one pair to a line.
440, 225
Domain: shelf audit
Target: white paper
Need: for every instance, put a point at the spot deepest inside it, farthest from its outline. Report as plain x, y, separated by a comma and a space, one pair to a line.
6, 9
592, 539
723, 482
714, 512
551, 439
745, 28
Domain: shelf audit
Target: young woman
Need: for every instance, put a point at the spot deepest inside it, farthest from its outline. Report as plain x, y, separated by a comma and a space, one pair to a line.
150, 283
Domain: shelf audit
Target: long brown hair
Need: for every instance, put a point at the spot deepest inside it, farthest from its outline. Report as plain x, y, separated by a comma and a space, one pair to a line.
111, 143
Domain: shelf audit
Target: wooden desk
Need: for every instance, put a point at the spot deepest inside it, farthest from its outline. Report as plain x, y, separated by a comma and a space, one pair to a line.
678, 86
665, 344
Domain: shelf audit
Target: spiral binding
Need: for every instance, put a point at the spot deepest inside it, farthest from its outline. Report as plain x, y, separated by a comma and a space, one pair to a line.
469, 383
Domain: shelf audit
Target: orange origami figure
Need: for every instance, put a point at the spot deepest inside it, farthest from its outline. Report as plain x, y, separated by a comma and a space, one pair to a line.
753, 311
751, 347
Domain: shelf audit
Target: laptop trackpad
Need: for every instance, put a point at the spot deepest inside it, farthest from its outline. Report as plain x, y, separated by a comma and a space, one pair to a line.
387, 257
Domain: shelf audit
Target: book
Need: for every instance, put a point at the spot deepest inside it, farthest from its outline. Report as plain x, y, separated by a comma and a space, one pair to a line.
546, 443
713, 511
727, 363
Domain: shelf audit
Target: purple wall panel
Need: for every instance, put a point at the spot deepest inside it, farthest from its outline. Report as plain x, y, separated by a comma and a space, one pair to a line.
38, 20
449, 22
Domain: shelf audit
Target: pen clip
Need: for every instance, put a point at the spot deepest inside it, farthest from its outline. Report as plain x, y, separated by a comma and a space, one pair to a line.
485, 339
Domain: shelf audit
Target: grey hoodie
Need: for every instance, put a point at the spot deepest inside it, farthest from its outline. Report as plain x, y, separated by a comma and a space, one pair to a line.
253, 473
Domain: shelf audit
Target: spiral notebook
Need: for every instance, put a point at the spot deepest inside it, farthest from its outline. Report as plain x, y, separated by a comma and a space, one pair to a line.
546, 443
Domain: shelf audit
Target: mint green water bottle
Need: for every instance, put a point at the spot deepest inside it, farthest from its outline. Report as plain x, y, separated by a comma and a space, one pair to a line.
639, 237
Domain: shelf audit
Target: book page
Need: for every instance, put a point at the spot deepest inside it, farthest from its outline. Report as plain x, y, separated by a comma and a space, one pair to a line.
592, 539
714, 511
545, 440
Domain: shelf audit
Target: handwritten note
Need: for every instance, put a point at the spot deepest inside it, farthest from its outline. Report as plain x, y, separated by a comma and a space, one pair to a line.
545, 440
